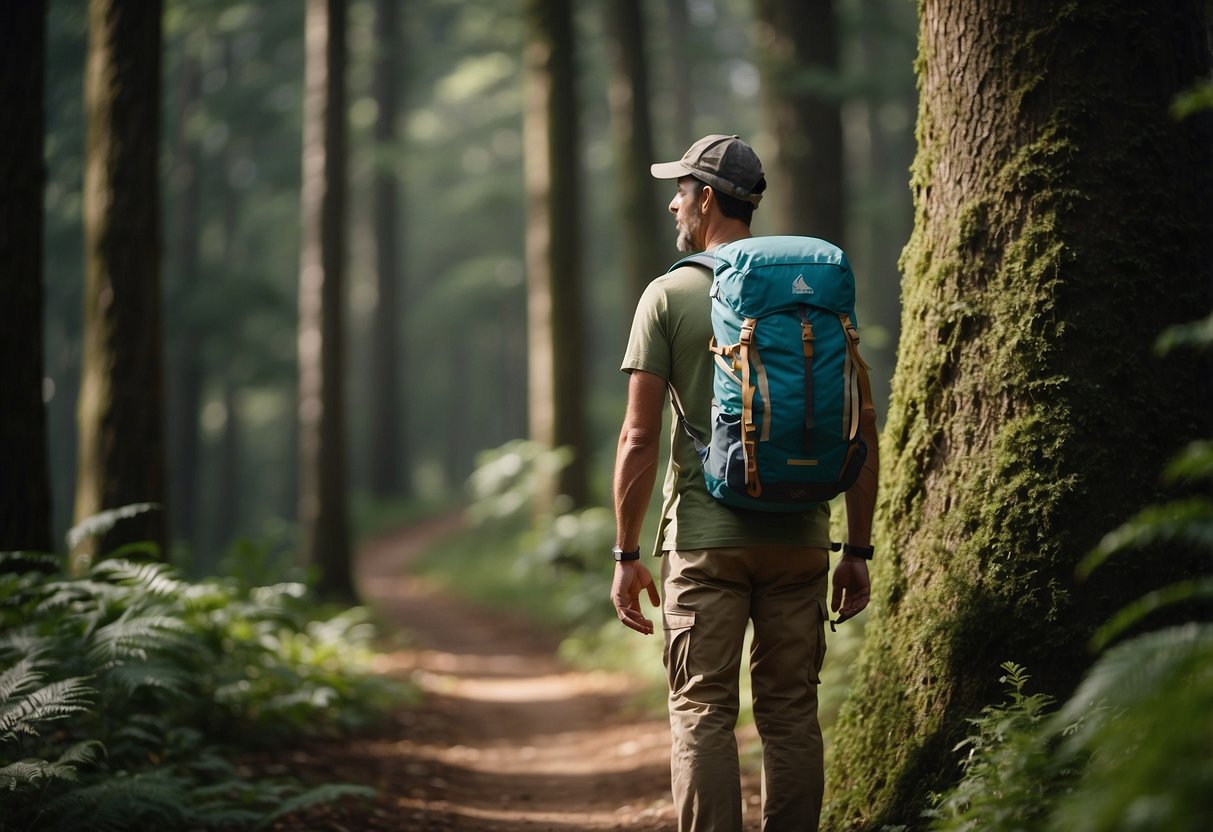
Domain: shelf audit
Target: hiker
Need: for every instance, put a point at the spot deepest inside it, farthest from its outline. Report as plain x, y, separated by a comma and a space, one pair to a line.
722, 566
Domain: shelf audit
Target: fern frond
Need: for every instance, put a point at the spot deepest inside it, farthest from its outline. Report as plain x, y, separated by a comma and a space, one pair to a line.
22, 676
136, 634
1197, 334
29, 772
143, 801
102, 522
1135, 670
24, 642
154, 675
318, 796
1181, 521
44, 561
52, 702
154, 579
1191, 465
63, 594
1149, 603
84, 753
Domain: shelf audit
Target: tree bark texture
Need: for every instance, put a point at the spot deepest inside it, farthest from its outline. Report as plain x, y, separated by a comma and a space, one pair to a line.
121, 409
1062, 222
798, 48
640, 209
25, 490
556, 383
389, 432
323, 512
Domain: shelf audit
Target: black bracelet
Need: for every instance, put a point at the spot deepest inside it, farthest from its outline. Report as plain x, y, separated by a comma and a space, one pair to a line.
622, 555
864, 552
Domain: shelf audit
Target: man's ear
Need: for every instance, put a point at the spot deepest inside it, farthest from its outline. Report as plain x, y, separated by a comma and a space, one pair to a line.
706, 197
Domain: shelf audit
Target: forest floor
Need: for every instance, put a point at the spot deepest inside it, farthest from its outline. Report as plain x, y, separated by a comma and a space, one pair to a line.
506, 739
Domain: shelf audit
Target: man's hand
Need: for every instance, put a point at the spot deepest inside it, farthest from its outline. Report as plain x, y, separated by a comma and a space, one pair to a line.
631, 577
851, 588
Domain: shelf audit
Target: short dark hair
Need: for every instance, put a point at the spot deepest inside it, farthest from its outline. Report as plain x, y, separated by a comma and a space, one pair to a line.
731, 206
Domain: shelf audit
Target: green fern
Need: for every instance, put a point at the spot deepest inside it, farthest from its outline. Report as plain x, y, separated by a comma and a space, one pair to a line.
318, 796
1148, 737
152, 579
136, 635
28, 772
1008, 773
104, 521
24, 714
153, 800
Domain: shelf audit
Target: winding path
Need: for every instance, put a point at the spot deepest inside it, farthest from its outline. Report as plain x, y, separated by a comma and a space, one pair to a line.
507, 739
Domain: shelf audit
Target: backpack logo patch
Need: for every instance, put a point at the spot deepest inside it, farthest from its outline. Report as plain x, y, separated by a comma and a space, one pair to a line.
800, 287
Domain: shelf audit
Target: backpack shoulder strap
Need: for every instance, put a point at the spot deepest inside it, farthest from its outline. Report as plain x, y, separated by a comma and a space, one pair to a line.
703, 258
708, 261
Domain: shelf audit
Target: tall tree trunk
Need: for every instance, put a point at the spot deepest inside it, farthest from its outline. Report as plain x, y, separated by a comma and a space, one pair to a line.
799, 66
121, 411
25, 489
682, 107
886, 45
1062, 221
556, 388
323, 512
224, 525
639, 208
186, 377
389, 433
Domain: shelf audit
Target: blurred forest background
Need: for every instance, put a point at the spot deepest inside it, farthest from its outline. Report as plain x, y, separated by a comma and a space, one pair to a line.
455, 380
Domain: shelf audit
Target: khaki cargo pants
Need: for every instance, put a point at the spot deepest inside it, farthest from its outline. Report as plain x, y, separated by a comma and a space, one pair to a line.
710, 594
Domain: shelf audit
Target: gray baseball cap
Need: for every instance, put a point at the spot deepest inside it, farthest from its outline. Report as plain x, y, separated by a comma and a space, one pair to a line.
724, 162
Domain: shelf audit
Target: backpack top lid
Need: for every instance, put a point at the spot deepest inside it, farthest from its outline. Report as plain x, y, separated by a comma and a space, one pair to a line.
756, 276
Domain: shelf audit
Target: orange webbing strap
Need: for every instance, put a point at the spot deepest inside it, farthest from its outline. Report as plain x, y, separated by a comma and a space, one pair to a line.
749, 448
863, 395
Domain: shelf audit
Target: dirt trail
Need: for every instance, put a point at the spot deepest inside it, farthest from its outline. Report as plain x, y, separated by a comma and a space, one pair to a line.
507, 740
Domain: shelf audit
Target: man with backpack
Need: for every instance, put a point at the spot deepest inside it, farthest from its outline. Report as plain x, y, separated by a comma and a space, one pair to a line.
770, 422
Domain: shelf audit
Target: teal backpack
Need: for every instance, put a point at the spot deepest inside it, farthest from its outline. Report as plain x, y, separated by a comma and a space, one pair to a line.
789, 382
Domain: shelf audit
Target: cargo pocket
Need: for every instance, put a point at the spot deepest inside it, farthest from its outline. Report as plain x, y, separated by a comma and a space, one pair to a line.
678, 625
819, 647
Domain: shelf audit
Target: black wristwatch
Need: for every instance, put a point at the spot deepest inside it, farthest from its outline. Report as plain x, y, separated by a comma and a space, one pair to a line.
864, 552
622, 555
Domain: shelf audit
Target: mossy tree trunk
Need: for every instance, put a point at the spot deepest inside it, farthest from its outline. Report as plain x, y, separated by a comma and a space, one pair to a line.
323, 502
556, 371
121, 409
1062, 222
25, 489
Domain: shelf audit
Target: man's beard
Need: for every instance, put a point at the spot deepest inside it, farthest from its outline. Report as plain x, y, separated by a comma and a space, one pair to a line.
686, 230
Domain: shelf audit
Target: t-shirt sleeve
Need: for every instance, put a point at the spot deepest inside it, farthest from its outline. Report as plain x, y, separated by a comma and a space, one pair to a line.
648, 343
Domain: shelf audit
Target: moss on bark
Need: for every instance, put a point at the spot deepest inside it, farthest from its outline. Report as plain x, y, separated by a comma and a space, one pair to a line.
1061, 224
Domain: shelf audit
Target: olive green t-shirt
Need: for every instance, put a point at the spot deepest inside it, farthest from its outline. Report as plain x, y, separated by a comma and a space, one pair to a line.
669, 338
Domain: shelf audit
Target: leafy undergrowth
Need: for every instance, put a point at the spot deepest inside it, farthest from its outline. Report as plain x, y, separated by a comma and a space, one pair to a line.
128, 696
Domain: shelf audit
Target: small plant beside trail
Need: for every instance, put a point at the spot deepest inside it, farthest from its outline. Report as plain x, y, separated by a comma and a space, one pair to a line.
127, 695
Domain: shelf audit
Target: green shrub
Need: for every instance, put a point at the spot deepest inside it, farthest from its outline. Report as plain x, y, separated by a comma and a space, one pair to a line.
126, 693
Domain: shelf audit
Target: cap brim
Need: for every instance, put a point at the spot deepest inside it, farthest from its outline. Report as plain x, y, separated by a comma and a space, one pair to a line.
670, 170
